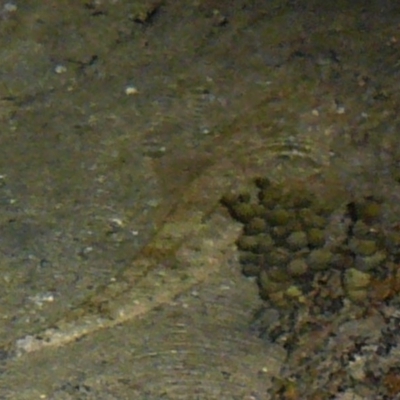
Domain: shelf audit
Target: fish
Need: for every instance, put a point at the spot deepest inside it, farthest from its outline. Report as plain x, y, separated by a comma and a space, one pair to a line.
193, 229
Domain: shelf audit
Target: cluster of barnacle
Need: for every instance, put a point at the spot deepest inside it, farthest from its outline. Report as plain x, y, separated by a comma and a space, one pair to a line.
304, 251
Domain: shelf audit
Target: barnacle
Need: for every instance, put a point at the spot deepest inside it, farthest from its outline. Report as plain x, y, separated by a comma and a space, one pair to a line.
297, 267
243, 212
244, 197
277, 257
289, 244
280, 233
320, 259
361, 230
278, 274
368, 210
255, 226
297, 240
371, 262
247, 243
264, 243
279, 216
355, 279
262, 182
250, 263
316, 237
309, 219
269, 285
229, 200
356, 284
363, 247
268, 198
259, 211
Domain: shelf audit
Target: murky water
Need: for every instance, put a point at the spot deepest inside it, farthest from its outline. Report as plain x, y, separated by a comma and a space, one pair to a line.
117, 147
